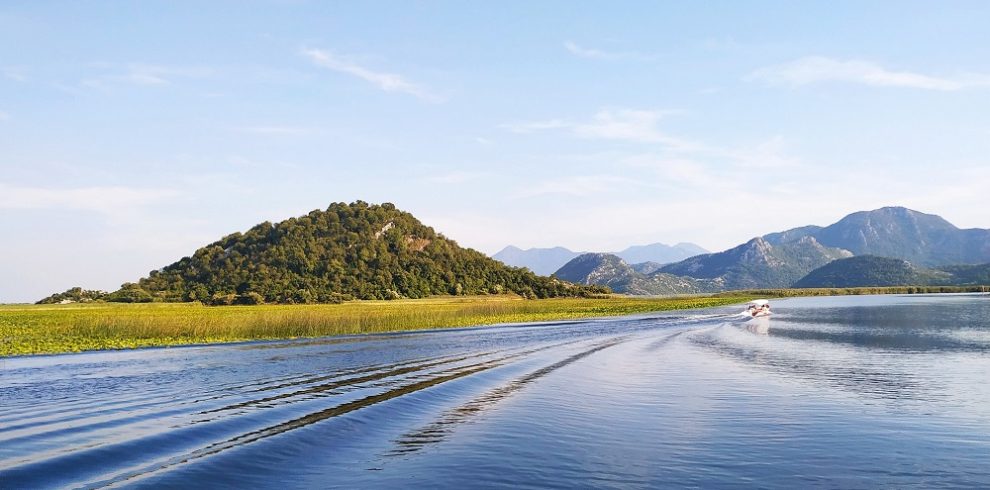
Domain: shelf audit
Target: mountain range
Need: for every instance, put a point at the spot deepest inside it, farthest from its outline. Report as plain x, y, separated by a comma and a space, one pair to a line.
610, 270
546, 261
783, 259
923, 239
367, 251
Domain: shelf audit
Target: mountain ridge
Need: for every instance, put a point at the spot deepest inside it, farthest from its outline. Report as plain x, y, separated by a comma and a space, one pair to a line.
547, 261
899, 232
610, 270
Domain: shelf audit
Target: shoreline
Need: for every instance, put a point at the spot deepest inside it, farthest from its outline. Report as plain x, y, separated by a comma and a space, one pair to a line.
28, 330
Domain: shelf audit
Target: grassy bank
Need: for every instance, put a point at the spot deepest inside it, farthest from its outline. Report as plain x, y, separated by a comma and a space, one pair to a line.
42, 329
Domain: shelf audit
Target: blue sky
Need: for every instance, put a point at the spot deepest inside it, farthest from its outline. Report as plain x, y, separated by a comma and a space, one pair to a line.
132, 133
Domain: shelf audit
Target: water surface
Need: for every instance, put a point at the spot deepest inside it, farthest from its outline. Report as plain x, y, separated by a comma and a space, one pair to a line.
854, 391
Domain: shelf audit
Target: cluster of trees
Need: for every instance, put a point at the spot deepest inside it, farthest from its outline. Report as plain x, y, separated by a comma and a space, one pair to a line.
349, 251
75, 295
869, 270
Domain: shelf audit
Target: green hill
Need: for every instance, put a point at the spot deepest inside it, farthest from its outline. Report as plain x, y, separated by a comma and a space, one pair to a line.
870, 270
348, 251
968, 275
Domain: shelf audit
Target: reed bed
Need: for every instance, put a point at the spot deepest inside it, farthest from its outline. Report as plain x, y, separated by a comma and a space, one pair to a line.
47, 329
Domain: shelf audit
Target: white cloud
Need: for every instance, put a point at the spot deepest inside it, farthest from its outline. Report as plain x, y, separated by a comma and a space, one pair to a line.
388, 82
638, 126
456, 177
279, 130
578, 186
817, 69
769, 154
681, 173
145, 74
628, 125
599, 54
534, 126
15, 73
111, 201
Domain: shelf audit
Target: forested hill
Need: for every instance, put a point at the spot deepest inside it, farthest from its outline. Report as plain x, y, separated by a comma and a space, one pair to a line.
356, 250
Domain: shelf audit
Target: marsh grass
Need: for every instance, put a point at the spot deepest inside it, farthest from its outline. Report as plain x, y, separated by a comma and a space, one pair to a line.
46, 329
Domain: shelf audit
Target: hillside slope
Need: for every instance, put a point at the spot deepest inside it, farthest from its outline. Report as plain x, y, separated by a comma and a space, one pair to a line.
758, 264
870, 270
353, 250
610, 270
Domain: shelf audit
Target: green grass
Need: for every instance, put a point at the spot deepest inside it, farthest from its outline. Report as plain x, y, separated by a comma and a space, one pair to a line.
47, 329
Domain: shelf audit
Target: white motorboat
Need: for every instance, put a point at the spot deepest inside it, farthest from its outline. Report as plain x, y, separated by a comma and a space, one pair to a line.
757, 309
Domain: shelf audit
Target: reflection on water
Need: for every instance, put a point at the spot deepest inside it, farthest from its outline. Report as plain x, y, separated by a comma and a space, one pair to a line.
835, 392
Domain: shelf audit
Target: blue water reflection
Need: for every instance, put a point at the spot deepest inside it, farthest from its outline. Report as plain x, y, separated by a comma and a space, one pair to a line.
867, 391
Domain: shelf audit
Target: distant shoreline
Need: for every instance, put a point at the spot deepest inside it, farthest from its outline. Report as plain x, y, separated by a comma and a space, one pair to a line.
78, 327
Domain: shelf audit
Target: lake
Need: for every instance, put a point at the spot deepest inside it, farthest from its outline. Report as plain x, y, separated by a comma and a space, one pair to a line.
847, 392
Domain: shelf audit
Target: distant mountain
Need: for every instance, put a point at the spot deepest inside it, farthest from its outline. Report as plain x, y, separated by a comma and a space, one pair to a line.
543, 261
355, 250
898, 232
870, 270
546, 261
758, 263
921, 249
658, 252
647, 267
610, 270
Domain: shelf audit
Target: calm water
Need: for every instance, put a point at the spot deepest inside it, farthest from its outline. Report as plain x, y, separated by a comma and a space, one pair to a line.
868, 391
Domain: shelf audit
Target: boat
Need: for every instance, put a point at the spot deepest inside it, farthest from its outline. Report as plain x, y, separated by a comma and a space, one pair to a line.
757, 308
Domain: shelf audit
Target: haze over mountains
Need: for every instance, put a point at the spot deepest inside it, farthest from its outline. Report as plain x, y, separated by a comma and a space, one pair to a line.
783, 259
546, 261
366, 251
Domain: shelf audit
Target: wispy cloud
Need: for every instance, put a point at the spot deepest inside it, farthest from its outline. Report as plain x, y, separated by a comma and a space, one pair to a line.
456, 177
388, 82
279, 130
146, 74
112, 201
578, 186
633, 125
15, 73
599, 54
527, 127
819, 69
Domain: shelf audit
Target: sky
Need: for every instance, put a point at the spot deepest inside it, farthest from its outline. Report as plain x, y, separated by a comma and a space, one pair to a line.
132, 133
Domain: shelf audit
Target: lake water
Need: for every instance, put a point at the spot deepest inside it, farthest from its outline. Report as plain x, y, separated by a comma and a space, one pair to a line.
847, 392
